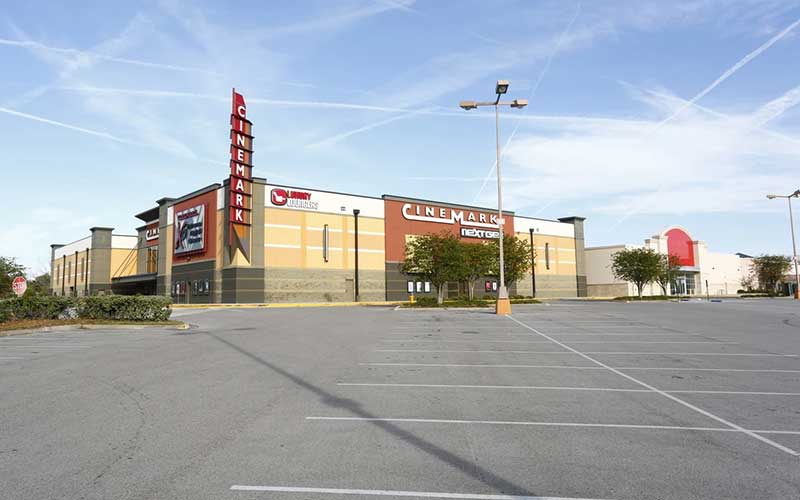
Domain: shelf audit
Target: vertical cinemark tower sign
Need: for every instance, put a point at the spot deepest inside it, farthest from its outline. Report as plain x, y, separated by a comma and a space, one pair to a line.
241, 181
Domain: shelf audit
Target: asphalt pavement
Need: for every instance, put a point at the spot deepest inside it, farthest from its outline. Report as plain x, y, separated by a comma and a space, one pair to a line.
690, 400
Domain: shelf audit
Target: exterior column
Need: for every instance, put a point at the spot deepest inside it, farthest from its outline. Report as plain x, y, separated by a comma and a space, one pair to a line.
580, 256
101, 260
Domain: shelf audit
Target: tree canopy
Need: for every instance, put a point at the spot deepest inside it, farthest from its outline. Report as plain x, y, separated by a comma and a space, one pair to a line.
769, 270
668, 271
479, 259
437, 258
9, 269
640, 266
516, 258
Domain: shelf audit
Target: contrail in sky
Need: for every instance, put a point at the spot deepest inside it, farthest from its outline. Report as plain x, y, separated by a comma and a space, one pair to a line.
727, 74
103, 135
533, 92
338, 137
95, 133
81, 53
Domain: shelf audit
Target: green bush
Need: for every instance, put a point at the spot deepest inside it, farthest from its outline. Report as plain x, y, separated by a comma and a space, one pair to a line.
34, 306
426, 302
644, 297
125, 307
113, 307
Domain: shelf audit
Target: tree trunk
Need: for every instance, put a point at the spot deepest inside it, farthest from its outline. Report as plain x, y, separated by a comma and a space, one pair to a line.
440, 294
639, 289
471, 290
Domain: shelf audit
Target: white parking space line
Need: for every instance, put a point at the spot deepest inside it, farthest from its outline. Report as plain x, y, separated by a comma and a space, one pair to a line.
666, 395
662, 368
587, 352
558, 424
472, 340
44, 346
556, 388
502, 335
394, 493
2, 358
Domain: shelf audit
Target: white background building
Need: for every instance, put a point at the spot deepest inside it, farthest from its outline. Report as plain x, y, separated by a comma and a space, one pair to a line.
702, 271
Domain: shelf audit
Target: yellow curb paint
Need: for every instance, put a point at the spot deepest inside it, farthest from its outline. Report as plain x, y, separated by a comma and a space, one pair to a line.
286, 305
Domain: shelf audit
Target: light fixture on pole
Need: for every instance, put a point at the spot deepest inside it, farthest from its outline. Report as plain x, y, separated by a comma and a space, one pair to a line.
503, 305
789, 197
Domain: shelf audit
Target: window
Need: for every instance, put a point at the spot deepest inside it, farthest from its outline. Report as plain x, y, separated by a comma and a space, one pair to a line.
419, 286
547, 255
151, 260
410, 287
80, 268
69, 271
427, 287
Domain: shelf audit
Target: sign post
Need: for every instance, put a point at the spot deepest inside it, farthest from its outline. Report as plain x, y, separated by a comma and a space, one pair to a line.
19, 285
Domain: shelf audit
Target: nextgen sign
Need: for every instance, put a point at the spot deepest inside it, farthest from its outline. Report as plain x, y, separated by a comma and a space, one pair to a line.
468, 232
190, 230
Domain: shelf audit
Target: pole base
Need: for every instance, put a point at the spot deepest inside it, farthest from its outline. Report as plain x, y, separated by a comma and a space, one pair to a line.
503, 306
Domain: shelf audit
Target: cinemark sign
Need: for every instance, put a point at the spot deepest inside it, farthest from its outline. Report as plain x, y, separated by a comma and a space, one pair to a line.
241, 180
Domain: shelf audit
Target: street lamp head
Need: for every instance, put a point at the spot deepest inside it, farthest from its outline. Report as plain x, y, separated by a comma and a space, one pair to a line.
796, 194
467, 105
502, 87
519, 103
771, 196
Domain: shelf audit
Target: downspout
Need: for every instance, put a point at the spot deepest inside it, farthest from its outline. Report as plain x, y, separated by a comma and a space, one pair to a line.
533, 266
355, 215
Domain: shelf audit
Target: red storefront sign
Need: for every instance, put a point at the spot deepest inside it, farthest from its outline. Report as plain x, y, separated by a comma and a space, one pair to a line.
241, 178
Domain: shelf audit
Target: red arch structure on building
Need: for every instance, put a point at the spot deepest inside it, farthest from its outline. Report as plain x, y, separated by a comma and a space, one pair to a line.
681, 244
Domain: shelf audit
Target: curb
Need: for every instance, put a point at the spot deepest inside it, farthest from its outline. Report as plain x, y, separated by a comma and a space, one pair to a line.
61, 328
287, 305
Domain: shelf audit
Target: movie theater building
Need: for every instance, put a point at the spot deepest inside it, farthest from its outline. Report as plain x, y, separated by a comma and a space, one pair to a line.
307, 245
558, 270
701, 271
87, 266
245, 240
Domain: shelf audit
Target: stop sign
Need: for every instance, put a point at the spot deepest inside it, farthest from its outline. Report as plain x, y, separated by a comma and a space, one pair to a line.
19, 285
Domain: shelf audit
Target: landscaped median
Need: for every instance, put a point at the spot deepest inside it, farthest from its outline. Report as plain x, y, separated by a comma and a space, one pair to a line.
430, 302
42, 311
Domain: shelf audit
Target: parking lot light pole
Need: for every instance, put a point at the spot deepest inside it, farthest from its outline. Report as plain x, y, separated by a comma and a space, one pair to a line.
789, 197
503, 305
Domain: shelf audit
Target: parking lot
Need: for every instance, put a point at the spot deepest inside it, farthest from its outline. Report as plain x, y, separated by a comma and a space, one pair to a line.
564, 400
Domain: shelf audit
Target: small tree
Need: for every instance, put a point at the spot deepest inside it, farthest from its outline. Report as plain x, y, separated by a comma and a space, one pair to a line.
769, 270
640, 266
668, 271
748, 282
437, 258
40, 285
9, 269
478, 261
516, 258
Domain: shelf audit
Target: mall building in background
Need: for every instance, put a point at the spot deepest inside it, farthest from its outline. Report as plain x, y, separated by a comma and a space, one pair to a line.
701, 271
306, 245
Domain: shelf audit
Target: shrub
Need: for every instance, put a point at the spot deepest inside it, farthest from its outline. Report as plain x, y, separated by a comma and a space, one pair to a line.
125, 307
34, 306
644, 297
113, 307
426, 302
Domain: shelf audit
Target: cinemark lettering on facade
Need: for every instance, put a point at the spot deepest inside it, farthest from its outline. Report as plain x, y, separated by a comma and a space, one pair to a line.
241, 178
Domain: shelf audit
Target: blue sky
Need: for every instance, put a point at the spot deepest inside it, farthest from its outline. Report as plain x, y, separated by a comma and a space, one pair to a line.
642, 114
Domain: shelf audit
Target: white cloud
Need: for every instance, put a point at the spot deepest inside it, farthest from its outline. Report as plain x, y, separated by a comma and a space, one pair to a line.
698, 162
